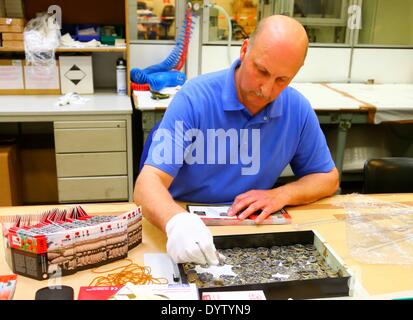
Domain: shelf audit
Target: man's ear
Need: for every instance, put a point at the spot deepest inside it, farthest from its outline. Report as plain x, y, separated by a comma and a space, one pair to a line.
244, 49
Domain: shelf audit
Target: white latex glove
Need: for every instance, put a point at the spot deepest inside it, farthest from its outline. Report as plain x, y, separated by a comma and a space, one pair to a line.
189, 240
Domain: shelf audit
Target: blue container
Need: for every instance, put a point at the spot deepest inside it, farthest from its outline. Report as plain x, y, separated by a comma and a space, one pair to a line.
69, 28
110, 39
88, 38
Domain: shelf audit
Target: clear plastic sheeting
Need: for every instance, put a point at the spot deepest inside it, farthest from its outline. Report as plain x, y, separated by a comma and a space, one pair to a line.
378, 232
41, 38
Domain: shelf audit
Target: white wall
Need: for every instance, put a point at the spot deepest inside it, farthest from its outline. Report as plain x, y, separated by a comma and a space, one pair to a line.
145, 55
383, 65
332, 64
322, 64
215, 58
325, 65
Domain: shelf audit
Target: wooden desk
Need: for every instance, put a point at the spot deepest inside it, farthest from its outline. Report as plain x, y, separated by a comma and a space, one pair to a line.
376, 279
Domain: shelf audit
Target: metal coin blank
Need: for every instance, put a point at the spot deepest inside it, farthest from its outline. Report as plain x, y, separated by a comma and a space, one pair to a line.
262, 265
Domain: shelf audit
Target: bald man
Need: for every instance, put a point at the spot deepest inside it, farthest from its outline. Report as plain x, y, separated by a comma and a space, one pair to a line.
226, 138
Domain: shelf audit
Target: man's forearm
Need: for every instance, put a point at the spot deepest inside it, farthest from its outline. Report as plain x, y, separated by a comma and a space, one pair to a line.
156, 201
310, 188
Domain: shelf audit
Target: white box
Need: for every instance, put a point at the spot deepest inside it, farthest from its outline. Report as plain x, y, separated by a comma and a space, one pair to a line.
76, 74
11, 75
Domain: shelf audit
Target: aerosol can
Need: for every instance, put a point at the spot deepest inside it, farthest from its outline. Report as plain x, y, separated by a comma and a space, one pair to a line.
121, 76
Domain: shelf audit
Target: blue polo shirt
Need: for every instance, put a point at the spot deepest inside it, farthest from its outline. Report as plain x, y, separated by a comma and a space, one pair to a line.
215, 149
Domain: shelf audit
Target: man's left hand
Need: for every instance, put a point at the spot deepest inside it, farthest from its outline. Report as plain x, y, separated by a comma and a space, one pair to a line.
268, 201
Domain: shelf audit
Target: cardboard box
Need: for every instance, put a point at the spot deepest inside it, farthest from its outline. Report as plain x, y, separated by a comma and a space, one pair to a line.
10, 186
248, 12
11, 75
2, 9
14, 8
76, 74
39, 177
13, 36
12, 22
6, 28
13, 44
73, 248
41, 79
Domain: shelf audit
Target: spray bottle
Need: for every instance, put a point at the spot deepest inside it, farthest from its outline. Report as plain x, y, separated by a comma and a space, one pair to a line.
121, 76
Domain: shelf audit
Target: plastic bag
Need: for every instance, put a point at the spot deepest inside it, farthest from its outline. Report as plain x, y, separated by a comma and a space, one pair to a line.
378, 232
41, 38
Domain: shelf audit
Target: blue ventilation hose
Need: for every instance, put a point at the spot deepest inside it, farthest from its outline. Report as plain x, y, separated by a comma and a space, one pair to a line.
159, 80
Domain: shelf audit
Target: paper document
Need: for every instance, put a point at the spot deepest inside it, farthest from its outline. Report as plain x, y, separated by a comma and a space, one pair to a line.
217, 215
157, 292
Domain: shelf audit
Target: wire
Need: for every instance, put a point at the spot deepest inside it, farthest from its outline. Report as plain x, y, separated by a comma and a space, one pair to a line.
132, 273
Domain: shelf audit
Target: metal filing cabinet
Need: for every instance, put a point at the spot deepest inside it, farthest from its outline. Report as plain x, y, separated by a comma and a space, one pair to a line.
91, 160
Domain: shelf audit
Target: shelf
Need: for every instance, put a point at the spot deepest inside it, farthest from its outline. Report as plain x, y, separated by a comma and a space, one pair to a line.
99, 49
64, 49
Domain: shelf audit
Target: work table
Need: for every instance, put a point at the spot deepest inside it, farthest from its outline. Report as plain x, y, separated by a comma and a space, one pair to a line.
323, 216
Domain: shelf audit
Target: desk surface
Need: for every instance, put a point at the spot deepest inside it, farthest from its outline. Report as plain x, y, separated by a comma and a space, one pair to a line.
376, 279
391, 102
46, 105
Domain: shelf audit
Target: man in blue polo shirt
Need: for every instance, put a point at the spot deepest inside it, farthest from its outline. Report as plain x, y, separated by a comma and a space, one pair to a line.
227, 136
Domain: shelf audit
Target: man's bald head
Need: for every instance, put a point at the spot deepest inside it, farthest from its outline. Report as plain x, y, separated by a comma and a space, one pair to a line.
281, 31
270, 59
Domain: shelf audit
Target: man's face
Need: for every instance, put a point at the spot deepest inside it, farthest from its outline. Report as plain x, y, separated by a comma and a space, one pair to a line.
263, 74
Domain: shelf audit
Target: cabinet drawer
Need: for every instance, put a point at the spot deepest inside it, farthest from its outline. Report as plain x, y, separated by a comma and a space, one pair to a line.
93, 189
90, 140
91, 164
89, 124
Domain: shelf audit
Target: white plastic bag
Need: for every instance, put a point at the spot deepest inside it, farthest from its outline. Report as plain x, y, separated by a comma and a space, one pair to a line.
41, 38
378, 232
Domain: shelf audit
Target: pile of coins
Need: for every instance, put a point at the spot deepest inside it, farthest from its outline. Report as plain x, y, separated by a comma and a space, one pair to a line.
262, 265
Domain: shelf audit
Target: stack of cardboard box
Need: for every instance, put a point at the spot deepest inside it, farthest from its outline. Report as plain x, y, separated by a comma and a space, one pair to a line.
10, 184
245, 13
11, 30
13, 8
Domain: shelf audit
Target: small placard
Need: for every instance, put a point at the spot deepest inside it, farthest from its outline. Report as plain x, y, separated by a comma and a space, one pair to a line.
76, 74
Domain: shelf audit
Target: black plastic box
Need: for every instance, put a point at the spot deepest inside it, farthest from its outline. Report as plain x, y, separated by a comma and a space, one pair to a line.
294, 289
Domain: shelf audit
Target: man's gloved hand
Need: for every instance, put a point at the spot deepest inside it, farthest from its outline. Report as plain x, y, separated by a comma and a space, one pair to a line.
189, 240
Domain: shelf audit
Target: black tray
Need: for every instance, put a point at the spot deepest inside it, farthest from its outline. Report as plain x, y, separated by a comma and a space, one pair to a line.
294, 289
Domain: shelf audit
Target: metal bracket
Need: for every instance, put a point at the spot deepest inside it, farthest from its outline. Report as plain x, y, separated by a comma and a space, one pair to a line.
344, 124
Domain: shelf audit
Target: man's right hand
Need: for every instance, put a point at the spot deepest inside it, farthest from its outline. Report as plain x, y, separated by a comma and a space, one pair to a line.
189, 240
